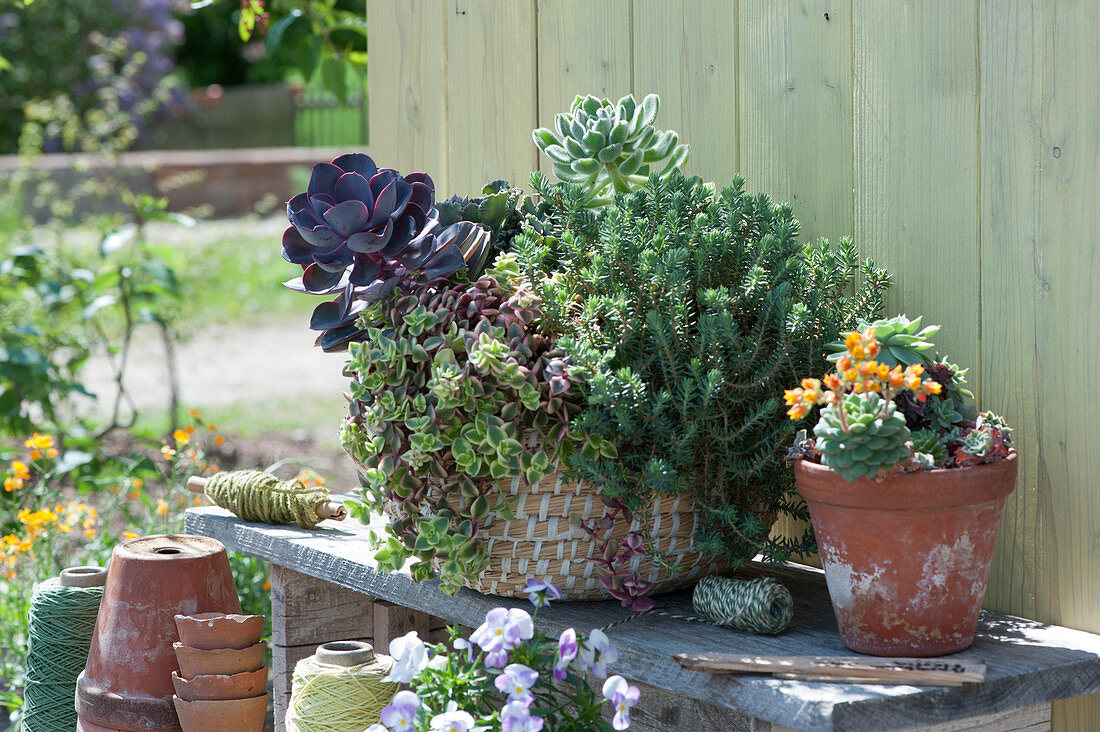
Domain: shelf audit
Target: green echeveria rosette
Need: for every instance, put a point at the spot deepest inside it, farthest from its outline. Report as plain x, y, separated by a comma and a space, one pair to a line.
607, 148
875, 439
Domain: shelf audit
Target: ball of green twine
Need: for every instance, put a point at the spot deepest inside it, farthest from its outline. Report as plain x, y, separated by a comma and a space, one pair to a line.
760, 605
257, 496
62, 620
331, 698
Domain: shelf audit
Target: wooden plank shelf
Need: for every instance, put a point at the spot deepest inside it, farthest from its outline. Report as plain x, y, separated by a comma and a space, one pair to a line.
1029, 664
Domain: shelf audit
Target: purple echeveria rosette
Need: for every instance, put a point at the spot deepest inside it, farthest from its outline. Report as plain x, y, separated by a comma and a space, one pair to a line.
361, 231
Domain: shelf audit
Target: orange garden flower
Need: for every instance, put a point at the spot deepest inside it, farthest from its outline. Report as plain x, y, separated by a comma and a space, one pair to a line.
39, 442
162, 507
189, 429
195, 413
219, 441
12, 484
181, 436
127, 535
21, 470
167, 453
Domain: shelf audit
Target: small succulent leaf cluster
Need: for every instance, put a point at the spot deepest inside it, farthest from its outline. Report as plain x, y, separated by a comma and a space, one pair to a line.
986, 442
364, 231
901, 341
610, 148
455, 391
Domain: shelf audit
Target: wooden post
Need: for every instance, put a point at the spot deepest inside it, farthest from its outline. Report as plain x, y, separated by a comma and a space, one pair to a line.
393, 621
306, 612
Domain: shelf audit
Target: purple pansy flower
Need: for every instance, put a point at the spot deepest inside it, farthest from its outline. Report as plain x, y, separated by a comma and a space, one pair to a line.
597, 653
399, 715
622, 696
452, 721
567, 651
410, 655
516, 682
516, 717
540, 593
503, 630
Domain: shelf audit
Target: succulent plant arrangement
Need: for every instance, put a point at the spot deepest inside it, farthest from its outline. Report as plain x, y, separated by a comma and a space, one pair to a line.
610, 148
626, 327
891, 405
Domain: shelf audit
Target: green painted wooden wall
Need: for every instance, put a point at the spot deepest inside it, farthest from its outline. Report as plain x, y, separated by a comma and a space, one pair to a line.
957, 141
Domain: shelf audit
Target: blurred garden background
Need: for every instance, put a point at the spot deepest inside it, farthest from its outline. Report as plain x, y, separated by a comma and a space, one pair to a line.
147, 148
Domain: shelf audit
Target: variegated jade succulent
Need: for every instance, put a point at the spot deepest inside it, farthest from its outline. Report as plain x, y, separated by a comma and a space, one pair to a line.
607, 148
456, 390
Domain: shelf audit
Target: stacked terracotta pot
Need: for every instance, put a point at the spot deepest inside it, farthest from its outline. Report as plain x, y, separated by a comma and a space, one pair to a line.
221, 685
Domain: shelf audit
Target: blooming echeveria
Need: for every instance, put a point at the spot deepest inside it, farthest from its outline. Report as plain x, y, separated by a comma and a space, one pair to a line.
503, 630
516, 717
410, 656
516, 682
597, 653
398, 716
567, 651
622, 696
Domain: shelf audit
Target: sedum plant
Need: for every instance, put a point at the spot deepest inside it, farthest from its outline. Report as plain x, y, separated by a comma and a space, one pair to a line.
685, 311
610, 148
456, 390
872, 402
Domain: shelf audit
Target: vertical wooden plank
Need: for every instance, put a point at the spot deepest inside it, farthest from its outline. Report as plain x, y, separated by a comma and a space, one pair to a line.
584, 48
407, 78
686, 51
796, 108
492, 97
915, 144
393, 621
1040, 225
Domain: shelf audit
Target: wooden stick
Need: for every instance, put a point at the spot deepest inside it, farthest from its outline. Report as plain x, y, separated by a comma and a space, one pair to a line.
325, 510
842, 669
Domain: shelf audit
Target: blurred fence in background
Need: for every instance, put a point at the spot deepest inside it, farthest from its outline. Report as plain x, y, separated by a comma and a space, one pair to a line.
262, 115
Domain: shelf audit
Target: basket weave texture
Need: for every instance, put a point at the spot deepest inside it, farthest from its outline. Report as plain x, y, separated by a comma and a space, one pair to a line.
540, 541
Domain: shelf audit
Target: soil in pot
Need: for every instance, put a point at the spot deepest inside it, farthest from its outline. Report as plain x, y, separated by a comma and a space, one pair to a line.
907, 557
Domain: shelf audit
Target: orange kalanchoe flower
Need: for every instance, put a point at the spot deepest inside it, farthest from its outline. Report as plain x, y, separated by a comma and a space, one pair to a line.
832, 381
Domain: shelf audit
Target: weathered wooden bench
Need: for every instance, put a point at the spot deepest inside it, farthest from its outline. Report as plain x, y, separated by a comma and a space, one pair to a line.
324, 587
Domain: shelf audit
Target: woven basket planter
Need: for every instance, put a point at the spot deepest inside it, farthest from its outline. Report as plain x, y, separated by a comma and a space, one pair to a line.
540, 542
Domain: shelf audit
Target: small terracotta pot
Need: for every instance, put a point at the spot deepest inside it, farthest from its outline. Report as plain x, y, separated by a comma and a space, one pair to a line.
127, 683
220, 687
907, 557
234, 715
208, 631
225, 661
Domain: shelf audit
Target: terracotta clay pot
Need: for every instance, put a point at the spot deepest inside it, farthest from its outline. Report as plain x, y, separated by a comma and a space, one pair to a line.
219, 687
234, 715
127, 684
227, 661
207, 631
907, 557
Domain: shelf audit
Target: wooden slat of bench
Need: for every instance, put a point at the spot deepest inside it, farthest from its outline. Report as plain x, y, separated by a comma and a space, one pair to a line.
1029, 663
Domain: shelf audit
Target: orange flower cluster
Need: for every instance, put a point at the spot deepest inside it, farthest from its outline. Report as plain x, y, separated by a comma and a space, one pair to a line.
63, 518
20, 471
858, 372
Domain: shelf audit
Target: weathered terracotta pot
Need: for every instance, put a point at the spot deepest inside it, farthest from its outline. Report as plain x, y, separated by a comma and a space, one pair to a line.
219, 687
907, 557
228, 661
207, 631
234, 715
127, 684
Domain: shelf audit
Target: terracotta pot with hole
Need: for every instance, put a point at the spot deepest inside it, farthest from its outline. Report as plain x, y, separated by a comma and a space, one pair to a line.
220, 687
208, 631
235, 715
907, 556
127, 684
227, 661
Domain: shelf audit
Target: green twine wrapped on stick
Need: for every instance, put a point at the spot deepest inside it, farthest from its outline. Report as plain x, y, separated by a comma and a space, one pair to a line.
257, 496
762, 605
62, 619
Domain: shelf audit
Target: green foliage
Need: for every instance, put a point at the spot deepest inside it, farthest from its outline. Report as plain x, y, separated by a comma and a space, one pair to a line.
610, 148
501, 209
455, 390
931, 443
861, 436
685, 311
